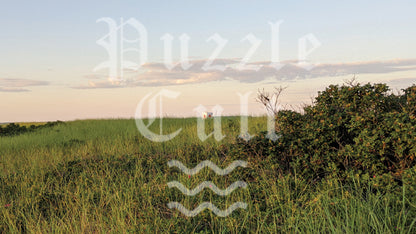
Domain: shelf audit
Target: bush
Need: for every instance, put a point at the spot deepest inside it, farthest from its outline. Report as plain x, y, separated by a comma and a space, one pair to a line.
364, 129
14, 129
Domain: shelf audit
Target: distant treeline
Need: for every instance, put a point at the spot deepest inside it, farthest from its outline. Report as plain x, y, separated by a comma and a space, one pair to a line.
14, 129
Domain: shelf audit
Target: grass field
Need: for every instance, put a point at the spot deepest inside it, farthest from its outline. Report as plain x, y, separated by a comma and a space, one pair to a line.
104, 176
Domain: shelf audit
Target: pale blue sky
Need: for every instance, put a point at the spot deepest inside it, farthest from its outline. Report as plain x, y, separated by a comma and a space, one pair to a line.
54, 42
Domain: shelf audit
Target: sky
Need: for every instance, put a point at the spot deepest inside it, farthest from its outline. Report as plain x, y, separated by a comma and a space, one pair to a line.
49, 52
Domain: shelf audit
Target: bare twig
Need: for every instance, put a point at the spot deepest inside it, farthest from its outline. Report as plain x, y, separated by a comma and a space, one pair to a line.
270, 100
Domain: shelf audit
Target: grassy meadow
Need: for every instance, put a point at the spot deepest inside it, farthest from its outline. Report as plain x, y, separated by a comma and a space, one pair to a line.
100, 176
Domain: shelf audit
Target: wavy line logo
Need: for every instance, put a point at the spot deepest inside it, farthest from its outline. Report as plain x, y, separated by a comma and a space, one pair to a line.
207, 184
207, 163
205, 205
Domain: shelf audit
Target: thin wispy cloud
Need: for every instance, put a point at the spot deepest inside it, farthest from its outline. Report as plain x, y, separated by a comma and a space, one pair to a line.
402, 82
13, 90
19, 85
156, 74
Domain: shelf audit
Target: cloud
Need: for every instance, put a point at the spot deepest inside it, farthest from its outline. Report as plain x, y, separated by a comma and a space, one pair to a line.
19, 85
21, 82
156, 74
94, 76
106, 84
13, 90
402, 82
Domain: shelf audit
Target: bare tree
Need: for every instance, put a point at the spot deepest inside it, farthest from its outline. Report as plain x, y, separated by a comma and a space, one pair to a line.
270, 100
352, 82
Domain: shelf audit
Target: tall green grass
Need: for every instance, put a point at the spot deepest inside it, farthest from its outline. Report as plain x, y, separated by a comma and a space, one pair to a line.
104, 176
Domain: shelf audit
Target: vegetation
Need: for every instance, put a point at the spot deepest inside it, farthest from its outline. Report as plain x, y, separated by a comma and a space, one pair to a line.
353, 128
345, 164
14, 129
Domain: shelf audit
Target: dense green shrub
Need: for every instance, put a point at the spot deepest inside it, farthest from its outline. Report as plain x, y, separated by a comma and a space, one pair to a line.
364, 129
14, 129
